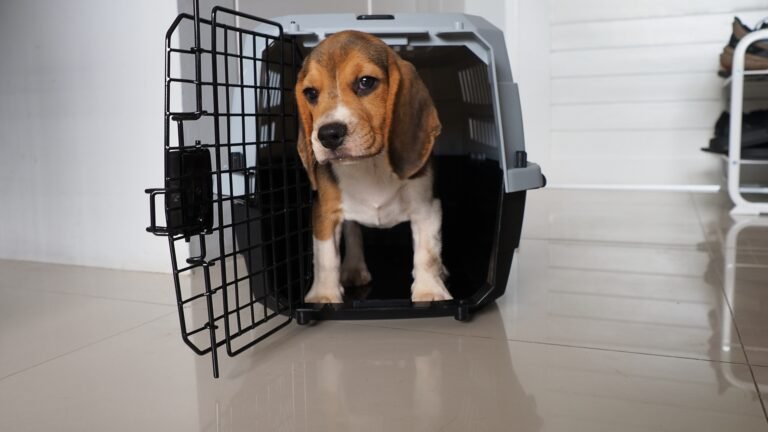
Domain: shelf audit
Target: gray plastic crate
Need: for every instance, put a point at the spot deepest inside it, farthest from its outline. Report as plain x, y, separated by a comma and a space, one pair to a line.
235, 188
482, 171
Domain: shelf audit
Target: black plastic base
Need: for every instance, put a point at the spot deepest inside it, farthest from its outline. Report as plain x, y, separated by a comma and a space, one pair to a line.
379, 309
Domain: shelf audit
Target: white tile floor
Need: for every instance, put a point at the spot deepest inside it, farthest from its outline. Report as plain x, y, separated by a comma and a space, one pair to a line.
625, 311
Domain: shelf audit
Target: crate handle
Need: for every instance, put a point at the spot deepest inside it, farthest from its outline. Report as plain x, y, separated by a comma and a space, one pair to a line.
153, 228
375, 17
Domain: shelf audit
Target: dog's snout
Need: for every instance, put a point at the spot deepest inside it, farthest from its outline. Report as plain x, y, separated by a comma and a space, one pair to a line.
332, 135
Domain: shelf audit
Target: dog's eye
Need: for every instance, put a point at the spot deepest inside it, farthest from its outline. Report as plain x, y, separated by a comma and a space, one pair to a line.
311, 94
366, 84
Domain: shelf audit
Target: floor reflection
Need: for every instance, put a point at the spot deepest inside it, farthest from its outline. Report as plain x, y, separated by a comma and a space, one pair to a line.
347, 376
742, 261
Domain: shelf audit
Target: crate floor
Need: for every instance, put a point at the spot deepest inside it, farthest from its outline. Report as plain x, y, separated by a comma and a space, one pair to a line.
621, 313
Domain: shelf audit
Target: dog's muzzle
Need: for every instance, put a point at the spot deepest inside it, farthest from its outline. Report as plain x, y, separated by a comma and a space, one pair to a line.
332, 135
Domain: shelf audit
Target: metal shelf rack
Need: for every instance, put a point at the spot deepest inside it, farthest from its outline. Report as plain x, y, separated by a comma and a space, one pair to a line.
734, 163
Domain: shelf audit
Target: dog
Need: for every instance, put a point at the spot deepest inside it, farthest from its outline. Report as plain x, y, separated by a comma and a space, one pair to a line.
368, 125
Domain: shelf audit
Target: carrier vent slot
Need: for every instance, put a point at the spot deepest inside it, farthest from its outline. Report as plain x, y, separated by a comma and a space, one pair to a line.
483, 131
475, 88
267, 134
271, 98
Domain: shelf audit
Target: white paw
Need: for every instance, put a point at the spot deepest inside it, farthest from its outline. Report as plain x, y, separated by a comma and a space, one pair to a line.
429, 288
355, 276
325, 293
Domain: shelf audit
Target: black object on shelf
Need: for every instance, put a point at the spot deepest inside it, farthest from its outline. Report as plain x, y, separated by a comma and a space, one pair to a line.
754, 135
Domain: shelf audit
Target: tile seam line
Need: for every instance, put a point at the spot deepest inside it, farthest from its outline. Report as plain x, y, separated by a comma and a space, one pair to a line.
631, 273
523, 341
587, 294
721, 276
93, 296
3, 378
623, 244
34, 263
746, 356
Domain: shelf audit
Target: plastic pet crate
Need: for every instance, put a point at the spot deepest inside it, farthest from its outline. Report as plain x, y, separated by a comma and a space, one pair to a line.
236, 191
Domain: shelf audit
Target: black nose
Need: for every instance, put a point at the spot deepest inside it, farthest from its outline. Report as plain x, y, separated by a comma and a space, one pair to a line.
332, 135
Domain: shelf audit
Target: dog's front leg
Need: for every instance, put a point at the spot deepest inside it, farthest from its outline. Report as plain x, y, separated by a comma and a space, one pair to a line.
326, 286
326, 234
428, 270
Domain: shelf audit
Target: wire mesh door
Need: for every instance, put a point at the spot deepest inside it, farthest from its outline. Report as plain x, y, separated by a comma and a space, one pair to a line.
237, 201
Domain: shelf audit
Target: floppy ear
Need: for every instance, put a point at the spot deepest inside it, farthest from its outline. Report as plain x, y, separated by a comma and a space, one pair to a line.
304, 139
411, 121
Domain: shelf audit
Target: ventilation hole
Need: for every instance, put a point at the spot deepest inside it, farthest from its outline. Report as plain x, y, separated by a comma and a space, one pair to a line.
475, 87
483, 132
270, 94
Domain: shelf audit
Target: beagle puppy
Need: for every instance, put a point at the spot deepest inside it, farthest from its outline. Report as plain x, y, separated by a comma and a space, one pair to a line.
368, 125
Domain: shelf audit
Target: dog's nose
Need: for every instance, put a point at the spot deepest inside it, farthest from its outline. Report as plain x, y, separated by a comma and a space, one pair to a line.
332, 135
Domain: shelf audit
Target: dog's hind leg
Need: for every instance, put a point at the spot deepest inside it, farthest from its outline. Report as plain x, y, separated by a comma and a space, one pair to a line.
354, 271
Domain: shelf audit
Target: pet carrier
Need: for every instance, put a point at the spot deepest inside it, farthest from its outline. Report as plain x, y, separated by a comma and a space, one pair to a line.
236, 190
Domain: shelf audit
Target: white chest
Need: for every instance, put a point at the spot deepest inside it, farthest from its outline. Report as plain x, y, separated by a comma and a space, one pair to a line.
371, 194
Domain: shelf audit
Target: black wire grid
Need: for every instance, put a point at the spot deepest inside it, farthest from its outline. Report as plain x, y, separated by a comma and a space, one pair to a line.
238, 195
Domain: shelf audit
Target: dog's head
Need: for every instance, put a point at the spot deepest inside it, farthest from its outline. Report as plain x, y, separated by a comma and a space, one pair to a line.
357, 98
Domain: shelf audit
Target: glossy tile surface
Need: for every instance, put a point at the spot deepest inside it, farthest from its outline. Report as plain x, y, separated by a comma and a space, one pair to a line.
745, 280
717, 222
88, 281
625, 311
613, 216
338, 376
624, 297
37, 326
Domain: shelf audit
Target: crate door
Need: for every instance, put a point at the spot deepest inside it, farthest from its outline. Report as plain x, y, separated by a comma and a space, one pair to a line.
235, 187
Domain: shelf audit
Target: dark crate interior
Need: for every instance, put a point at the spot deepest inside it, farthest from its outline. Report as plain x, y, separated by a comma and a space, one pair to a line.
469, 191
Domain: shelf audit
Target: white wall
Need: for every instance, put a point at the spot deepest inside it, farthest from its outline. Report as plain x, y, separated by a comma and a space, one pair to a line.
634, 92
528, 41
613, 93
81, 130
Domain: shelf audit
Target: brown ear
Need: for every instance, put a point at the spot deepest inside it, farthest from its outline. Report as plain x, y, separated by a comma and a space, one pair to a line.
411, 122
304, 139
